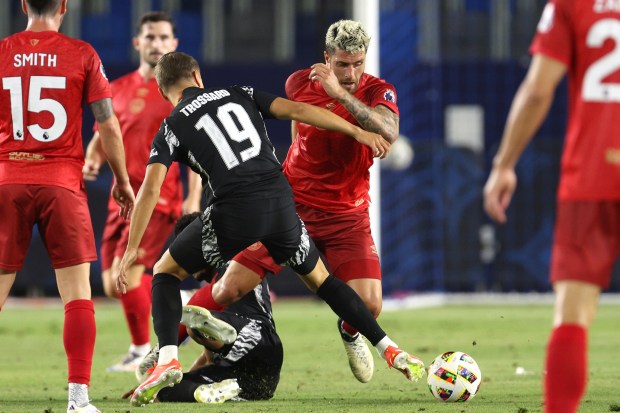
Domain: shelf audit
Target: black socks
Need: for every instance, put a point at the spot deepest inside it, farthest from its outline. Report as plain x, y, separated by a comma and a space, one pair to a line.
167, 308
345, 302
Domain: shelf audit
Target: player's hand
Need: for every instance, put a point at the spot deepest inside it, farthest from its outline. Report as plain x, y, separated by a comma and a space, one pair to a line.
90, 170
130, 256
379, 145
323, 73
498, 192
124, 198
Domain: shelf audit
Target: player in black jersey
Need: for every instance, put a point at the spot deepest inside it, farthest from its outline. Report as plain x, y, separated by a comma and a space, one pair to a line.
221, 135
246, 369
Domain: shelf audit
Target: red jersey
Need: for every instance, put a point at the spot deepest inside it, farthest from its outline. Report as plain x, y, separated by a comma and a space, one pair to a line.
329, 171
45, 78
140, 110
585, 36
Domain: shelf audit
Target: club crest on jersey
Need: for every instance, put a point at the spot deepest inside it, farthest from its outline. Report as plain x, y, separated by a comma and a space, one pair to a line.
34, 42
389, 96
330, 106
546, 20
249, 90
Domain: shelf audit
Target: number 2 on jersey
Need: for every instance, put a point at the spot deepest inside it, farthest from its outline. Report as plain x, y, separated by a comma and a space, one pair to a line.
247, 132
594, 89
36, 104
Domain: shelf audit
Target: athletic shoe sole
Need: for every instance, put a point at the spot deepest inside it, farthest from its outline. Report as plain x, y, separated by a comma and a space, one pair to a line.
201, 320
147, 393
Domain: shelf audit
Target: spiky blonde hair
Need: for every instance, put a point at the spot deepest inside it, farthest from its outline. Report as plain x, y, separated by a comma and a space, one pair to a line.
347, 35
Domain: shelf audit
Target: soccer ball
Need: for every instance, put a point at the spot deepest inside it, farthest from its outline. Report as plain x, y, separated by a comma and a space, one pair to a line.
454, 377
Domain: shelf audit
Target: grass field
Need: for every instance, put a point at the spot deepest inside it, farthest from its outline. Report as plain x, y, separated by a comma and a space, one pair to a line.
315, 375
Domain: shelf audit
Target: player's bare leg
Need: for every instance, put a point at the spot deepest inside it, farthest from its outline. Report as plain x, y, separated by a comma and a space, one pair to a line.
236, 282
137, 310
7, 278
78, 333
575, 307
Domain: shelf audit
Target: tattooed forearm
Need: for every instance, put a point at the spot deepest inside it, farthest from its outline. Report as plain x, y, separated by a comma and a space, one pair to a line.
379, 120
102, 109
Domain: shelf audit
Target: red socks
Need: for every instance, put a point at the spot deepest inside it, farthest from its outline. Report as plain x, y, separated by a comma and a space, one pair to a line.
204, 298
79, 339
147, 284
566, 368
137, 308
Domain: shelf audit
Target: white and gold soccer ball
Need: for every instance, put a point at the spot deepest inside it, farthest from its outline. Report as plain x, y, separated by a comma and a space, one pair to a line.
454, 376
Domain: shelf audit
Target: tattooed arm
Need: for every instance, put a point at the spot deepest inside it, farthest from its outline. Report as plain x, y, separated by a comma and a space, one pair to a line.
379, 119
112, 145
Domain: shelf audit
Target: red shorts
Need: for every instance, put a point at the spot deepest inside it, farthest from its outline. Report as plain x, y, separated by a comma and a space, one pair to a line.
586, 241
257, 258
63, 220
116, 235
345, 241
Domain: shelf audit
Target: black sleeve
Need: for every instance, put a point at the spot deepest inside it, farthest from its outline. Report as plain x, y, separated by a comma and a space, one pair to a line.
165, 146
262, 99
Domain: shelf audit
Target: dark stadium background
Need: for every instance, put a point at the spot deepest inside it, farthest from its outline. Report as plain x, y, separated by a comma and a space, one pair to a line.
435, 236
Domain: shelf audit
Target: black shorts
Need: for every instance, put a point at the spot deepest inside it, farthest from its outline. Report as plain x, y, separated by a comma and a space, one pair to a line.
229, 226
254, 359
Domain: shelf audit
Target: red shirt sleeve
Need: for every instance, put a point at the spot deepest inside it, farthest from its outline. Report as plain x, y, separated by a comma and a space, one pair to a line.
295, 82
383, 93
554, 35
97, 86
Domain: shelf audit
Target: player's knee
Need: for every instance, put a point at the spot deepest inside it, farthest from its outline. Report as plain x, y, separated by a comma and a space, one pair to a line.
158, 267
167, 264
373, 303
226, 293
375, 309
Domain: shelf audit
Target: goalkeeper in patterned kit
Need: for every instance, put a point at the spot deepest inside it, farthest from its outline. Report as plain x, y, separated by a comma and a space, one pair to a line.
46, 76
580, 38
221, 134
140, 110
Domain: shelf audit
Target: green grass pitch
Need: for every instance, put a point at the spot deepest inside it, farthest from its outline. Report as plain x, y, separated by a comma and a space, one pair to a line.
315, 375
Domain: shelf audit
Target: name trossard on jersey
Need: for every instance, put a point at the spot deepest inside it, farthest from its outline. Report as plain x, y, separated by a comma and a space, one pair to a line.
221, 135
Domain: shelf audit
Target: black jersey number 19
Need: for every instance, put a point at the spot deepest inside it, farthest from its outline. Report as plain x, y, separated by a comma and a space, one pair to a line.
220, 138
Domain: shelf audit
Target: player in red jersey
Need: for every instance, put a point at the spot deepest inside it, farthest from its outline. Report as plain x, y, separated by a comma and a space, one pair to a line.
329, 172
581, 38
140, 110
45, 78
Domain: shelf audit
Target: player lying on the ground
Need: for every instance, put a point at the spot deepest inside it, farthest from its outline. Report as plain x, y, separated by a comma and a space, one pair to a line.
242, 355
242, 350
